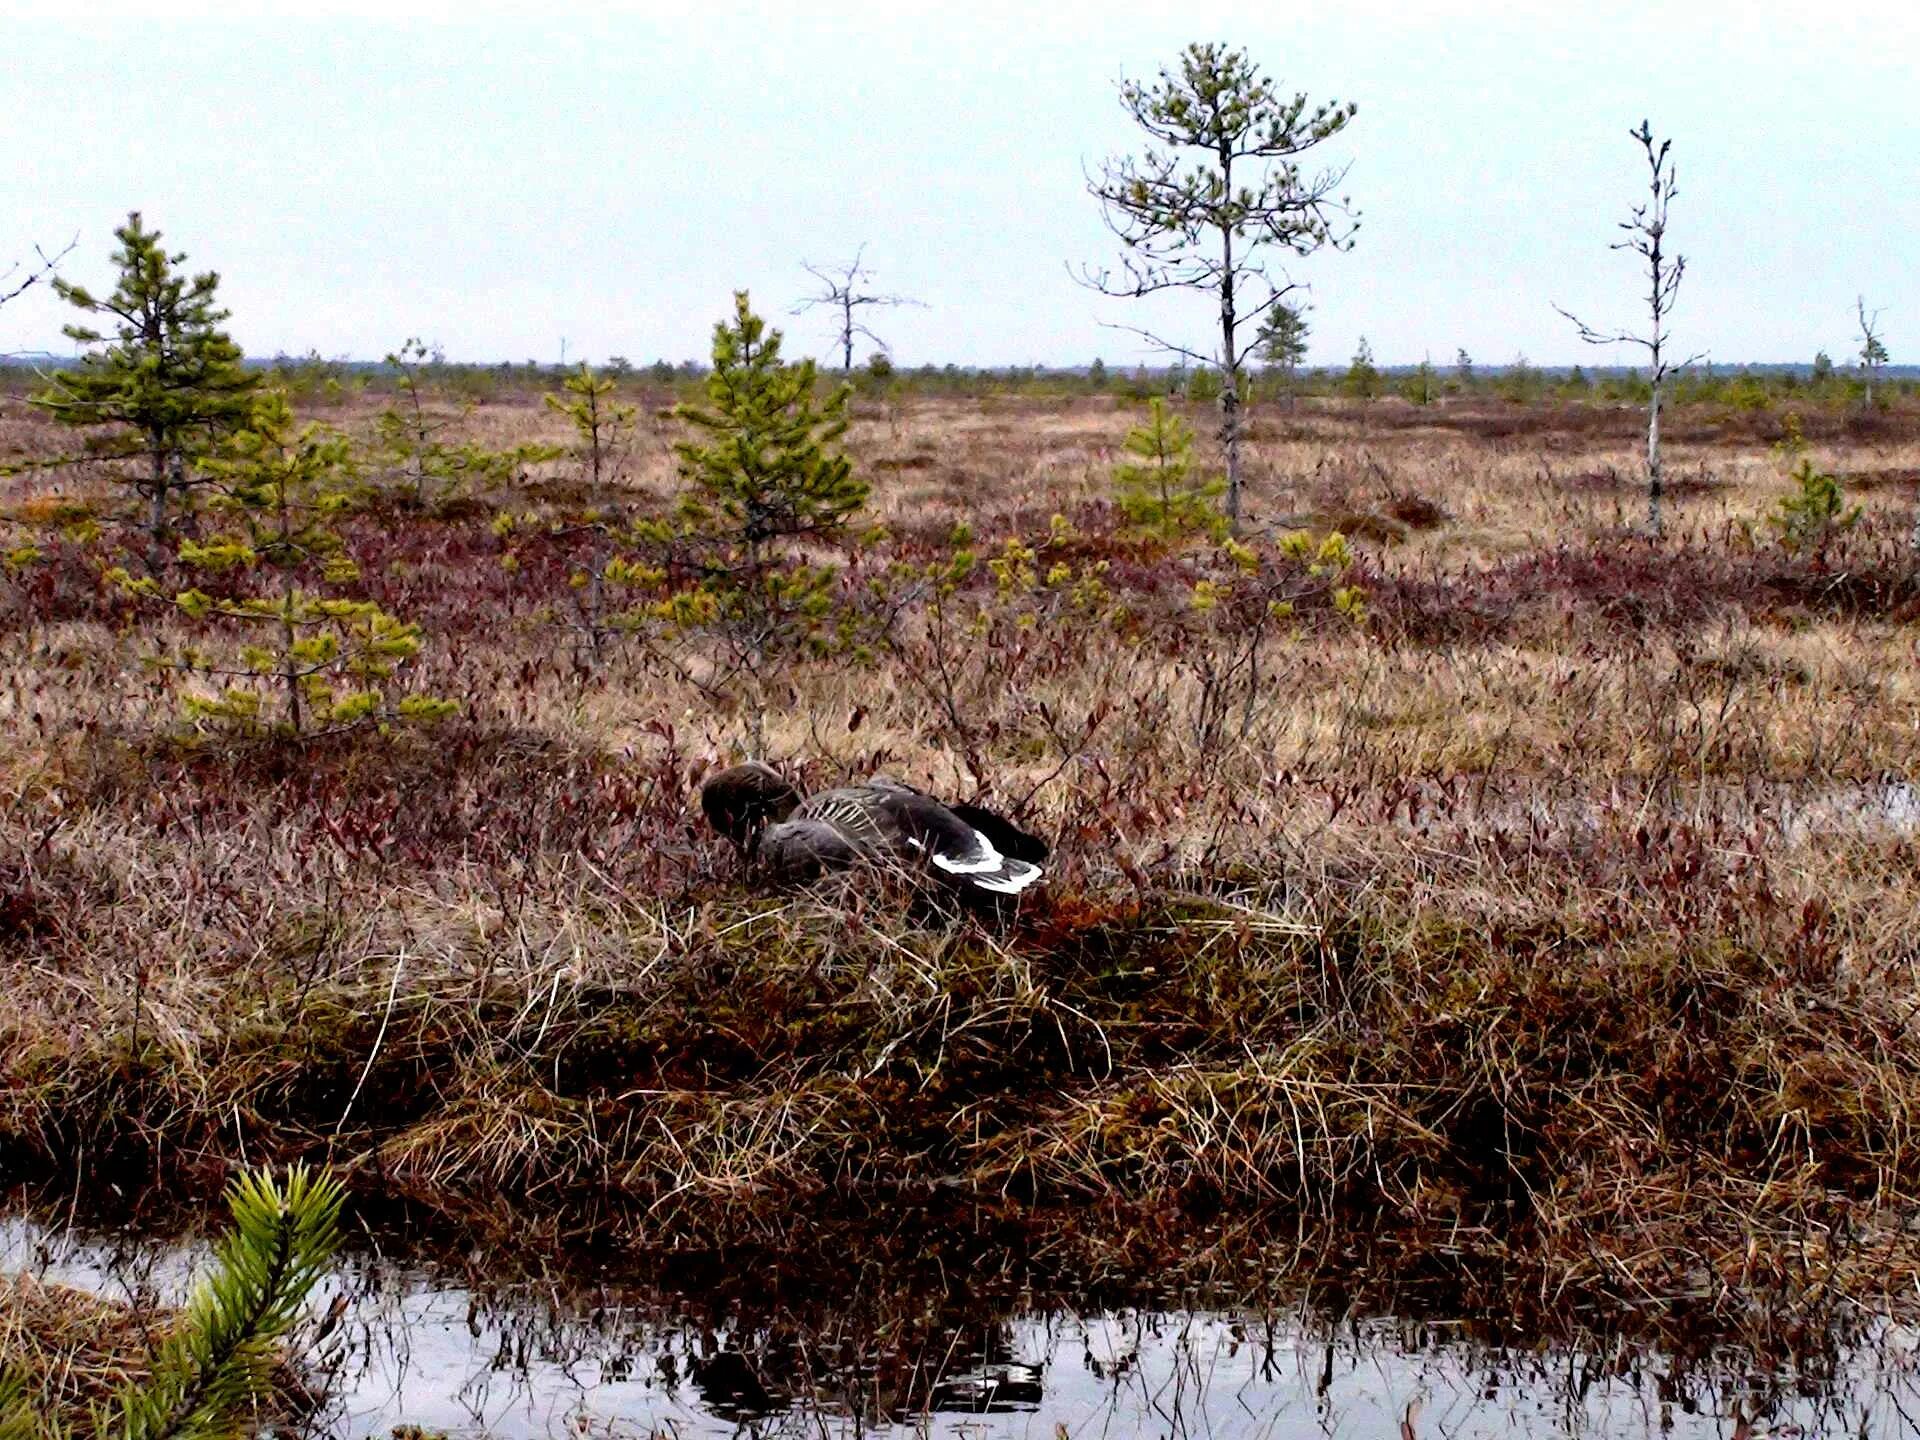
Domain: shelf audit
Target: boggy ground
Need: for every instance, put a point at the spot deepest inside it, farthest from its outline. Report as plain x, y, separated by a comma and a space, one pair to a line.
1556, 914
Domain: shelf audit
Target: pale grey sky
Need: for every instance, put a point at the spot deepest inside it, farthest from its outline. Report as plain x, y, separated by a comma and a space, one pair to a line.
498, 177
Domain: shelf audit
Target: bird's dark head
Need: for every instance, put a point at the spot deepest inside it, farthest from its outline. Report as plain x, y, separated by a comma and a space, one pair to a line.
742, 800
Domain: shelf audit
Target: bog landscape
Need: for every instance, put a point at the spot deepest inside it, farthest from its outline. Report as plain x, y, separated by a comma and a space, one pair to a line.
1472, 986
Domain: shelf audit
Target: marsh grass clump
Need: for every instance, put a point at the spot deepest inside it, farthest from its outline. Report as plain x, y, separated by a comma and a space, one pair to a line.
70, 1351
1590, 1094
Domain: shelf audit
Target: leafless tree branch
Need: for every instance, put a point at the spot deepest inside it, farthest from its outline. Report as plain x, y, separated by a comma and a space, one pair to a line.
48, 264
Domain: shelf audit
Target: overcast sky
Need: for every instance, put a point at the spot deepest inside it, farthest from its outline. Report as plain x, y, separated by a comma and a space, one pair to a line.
497, 179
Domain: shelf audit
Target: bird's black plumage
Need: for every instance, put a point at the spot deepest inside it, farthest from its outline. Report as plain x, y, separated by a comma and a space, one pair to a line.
883, 822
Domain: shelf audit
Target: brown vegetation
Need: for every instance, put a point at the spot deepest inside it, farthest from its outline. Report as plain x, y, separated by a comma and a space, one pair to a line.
1558, 911
75, 1350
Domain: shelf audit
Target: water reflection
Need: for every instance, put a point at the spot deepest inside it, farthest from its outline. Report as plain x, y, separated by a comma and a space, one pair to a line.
552, 1357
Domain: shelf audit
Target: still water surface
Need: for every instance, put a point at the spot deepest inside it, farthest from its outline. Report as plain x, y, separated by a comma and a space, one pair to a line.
417, 1345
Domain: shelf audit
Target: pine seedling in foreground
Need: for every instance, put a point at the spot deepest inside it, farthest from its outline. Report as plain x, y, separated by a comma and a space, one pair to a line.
215, 1369
219, 1363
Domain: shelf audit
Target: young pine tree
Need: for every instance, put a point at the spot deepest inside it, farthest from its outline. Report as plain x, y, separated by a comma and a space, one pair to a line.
165, 387
1283, 343
764, 473
1203, 386
603, 429
276, 569
411, 439
1808, 517
1362, 380
769, 472
1155, 492
602, 426
1418, 387
1215, 199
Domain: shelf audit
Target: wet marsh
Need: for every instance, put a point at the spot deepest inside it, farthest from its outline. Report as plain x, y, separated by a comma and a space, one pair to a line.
1547, 923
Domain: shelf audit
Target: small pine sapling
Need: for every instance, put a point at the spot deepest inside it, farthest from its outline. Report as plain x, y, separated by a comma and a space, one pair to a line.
1807, 518
764, 476
1155, 492
411, 442
328, 656
603, 432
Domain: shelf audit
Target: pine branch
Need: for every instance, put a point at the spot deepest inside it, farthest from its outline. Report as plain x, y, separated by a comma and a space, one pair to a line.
219, 1362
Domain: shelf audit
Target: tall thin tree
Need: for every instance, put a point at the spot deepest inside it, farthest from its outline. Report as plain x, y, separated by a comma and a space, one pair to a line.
846, 295
1873, 345
1218, 188
1646, 229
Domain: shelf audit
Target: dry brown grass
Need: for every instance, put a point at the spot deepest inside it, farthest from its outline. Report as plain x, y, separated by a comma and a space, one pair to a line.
1558, 913
75, 1351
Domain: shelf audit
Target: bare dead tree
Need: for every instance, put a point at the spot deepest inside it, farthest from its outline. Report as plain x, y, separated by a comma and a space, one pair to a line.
844, 294
1646, 229
1218, 187
1873, 345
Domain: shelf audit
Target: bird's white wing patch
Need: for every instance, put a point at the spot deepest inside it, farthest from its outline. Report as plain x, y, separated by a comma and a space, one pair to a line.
987, 858
990, 871
1019, 875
